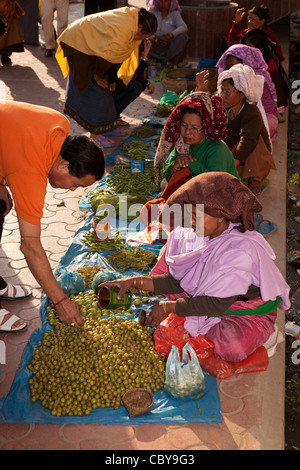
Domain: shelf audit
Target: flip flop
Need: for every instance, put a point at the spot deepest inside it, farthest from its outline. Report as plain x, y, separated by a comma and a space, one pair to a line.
258, 218
266, 227
6, 327
14, 292
105, 143
122, 123
293, 257
116, 134
260, 188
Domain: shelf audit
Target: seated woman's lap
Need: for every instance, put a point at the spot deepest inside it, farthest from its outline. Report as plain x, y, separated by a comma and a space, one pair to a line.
235, 337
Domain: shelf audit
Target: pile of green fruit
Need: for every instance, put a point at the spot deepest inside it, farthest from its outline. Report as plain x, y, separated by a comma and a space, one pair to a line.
76, 370
88, 308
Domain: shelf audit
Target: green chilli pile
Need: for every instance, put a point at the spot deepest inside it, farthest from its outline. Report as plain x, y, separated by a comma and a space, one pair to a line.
76, 370
123, 181
163, 109
136, 150
145, 132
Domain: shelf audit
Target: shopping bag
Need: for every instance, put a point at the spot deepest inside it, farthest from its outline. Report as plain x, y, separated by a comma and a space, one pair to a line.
183, 377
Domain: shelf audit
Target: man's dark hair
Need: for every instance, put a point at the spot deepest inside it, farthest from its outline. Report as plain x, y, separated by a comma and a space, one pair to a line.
85, 157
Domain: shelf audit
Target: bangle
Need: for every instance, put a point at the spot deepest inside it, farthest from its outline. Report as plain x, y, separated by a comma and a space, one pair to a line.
61, 300
164, 307
146, 60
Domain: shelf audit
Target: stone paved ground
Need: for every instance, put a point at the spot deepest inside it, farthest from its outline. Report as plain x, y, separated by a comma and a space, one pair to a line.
248, 401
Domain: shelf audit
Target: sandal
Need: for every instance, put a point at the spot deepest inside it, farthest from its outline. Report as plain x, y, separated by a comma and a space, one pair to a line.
122, 123
118, 132
265, 227
105, 143
293, 257
258, 189
7, 325
14, 292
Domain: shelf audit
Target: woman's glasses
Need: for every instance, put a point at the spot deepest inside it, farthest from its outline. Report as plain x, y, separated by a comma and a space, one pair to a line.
192, 130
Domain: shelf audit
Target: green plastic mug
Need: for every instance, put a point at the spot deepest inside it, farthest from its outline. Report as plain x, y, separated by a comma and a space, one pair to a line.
107, 298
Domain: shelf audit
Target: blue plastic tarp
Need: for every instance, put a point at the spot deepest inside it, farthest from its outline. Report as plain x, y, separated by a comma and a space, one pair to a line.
17, 407
151, 141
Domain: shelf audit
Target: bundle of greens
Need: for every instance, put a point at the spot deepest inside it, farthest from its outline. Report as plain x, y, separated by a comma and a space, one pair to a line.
146, 183
132, 258
136, 150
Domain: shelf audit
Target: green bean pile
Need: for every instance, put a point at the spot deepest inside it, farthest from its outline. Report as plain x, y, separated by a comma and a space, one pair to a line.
163, 109
132, 258
106, 245
76, 370
145, 132
136, 150
117, 200
123, 181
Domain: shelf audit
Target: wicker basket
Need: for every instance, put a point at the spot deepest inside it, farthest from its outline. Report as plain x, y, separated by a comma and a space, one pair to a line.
138, 401
179, 80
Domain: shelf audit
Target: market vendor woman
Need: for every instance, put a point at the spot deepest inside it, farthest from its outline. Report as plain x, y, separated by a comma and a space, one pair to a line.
227, 283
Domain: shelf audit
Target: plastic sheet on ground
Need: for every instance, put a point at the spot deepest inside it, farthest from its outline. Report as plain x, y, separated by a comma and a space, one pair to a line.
17, 405
111, 158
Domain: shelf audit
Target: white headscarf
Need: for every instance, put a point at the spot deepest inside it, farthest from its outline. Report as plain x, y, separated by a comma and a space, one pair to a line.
246, 81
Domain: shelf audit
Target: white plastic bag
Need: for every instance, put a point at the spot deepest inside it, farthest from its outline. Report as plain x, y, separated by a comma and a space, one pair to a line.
183, 378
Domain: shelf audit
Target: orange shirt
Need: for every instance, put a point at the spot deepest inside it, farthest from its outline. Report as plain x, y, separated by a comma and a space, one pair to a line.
31, 138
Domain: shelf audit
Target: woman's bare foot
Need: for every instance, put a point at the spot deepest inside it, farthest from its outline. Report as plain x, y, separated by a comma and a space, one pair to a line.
102, 138
122, 122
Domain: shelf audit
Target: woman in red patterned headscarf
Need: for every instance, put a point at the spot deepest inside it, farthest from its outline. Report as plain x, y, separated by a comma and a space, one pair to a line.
193, 135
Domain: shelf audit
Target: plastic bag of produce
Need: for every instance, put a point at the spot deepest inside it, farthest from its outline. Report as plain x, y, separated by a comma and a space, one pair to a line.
71, 282
103, 276
169, 97
185, 377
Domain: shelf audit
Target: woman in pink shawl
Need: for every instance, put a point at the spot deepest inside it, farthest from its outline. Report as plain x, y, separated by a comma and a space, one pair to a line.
225, 279
240, 53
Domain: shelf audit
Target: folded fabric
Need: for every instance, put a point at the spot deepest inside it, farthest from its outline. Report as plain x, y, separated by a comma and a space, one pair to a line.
200, 325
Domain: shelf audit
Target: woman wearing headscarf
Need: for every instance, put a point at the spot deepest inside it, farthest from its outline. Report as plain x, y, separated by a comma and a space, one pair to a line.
239, 87
259, 39
193, 134
93, 50
171, 39
223, 272
258, 17
192, 143
12, 40
253, 57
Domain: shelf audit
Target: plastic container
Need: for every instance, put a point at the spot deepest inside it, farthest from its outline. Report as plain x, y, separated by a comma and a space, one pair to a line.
107, 298
137, 166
